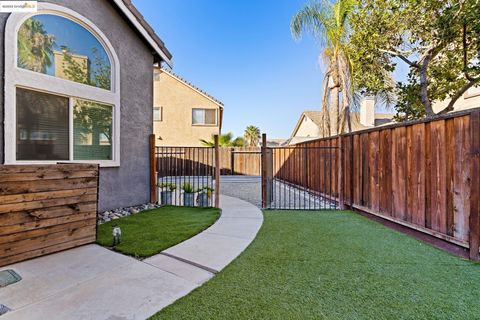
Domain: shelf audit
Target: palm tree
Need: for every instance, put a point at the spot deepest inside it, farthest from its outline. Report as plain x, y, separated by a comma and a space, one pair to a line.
328, 22
35, 46
225, 140
252, 136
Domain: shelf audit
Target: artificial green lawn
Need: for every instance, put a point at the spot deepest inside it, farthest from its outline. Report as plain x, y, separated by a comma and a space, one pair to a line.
335, 265
152, 231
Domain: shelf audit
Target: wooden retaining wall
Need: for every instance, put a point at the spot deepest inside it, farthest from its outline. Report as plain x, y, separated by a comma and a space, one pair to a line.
46, 208
422, 174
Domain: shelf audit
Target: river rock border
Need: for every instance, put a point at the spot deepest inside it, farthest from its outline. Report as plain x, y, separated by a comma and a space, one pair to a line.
114, 214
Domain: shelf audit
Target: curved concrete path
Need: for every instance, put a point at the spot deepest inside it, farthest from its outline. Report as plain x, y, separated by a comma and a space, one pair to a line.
91, 282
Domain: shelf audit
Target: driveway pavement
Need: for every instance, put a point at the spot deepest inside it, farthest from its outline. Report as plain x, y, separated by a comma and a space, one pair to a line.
91, 282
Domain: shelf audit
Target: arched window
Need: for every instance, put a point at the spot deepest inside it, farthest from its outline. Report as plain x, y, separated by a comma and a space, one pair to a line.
62, 100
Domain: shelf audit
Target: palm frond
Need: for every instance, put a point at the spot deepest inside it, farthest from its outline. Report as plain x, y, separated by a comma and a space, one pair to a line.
315, 18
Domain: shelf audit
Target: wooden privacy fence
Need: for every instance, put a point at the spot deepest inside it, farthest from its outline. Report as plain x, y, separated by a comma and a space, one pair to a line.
422, 174
245, 161
313, 166
46, 208
233, 161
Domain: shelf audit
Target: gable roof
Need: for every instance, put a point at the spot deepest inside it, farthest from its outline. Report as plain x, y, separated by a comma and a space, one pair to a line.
192, 86
316, 117
145, 30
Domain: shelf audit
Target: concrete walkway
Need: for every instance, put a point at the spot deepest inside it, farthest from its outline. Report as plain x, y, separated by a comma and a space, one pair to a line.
91, 282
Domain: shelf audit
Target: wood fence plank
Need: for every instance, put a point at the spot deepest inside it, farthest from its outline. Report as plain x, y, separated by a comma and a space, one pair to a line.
416, 174
44, 231
47, 185
449, 174
9, 169
428, 174
43, 251
438, 177
23, 217
385, 172
28, 244
365, 171
474, 219
399, 177
32, 205
461, 178
357, 151
47, 175
373, 151
5, 230
46, 195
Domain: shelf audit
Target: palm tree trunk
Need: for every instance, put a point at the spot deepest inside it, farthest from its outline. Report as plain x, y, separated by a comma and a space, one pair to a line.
334, 114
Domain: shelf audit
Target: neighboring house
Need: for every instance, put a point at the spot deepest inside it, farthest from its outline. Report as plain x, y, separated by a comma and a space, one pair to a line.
276, 142
470, 99
77, 87
183, 113
310, 125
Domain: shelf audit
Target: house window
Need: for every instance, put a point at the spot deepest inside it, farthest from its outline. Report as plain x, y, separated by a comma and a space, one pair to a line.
158, 114
62, 101
204, 116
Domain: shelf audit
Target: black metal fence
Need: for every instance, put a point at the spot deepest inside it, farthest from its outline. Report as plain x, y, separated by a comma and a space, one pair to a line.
300, 178
186, 176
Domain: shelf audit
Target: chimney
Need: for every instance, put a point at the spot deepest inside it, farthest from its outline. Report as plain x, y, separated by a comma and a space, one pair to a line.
367, 111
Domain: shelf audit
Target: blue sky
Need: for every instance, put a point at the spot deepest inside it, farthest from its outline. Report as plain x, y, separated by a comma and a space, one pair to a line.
242, 53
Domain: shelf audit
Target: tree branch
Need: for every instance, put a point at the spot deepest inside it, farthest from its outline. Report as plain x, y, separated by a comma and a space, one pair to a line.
402, 57
457, 95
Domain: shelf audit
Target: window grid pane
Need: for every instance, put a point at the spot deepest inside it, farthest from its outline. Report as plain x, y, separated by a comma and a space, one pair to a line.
198, 116
42, 126
92, 129
158, 114
210, 116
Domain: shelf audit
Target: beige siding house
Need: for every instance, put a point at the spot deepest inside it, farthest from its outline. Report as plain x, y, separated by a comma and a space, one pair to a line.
309, 126
471, 99
183, 114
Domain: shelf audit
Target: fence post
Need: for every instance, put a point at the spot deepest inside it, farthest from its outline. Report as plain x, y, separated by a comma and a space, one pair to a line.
264, 170
217, 172
474, 220
341, 181
232, 161
153, 171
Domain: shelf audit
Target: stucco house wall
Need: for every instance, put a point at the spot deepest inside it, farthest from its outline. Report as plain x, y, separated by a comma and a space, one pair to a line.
127, 184
471, 99
307, 128
177, 100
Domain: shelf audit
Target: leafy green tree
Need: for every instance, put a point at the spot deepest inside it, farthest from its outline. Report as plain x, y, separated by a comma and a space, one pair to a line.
34, 46
224, 140
99, 75
252, 136
438, 40
328, 22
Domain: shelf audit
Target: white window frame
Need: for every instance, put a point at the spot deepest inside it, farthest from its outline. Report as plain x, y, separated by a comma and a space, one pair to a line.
204, 117
35, 81
161, 114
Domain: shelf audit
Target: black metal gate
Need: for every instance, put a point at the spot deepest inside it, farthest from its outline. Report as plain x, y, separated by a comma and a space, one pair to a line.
187, 176
300, 177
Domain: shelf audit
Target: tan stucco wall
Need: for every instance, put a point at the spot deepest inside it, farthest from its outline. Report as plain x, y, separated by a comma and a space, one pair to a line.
178, 100
469, 100
307, 129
